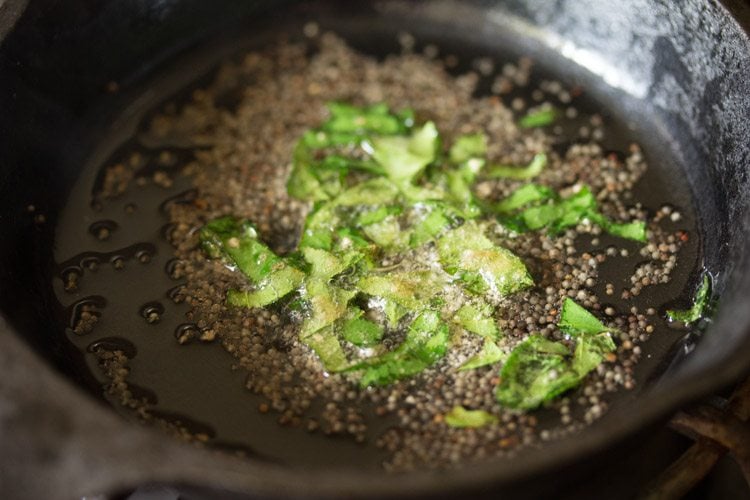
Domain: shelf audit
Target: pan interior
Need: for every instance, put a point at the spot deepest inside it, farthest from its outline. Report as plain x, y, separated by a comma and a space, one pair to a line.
194, 386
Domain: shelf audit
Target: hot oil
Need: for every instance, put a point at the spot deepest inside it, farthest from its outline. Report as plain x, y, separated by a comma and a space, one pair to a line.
189, 383
115, 264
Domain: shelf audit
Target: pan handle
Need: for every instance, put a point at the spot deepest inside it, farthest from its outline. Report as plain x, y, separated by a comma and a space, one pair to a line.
58, 442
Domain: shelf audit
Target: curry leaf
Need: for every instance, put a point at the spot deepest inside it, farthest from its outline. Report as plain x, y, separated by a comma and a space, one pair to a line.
489, 355
237, 240
576, 320
539, 118
467, 147
593, 338
327, 304
426, 342
628, 230
411, 290
477, 320
328, 348
461, 417
550, 211
372, 192
375, 119
303, 183
525, 195
273, 287
403, 158
430, 224
386, 233
361, 332
377, 213
530, 171
483, 266
324, 265
697, 309
590, 352
536, 371
315, 180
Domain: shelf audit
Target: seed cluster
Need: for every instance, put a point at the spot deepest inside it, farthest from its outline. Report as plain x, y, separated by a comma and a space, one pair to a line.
243, 127
114, 364
86, 320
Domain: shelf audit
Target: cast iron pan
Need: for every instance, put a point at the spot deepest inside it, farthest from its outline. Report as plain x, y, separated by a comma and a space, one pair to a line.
682, 75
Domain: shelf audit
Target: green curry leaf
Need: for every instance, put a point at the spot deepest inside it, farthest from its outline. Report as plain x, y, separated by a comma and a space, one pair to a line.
536, 371
426, 342
461, 417
489, 355
530, 171
403, 158
539, 118
480, 264
697, 309
477, 320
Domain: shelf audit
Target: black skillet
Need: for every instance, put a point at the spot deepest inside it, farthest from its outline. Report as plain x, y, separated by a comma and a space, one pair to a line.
679, 71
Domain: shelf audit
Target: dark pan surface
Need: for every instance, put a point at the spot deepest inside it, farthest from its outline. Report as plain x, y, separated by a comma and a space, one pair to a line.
195, 382
56, 126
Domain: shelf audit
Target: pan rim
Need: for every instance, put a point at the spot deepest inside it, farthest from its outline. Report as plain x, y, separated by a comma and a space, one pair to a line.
657, 405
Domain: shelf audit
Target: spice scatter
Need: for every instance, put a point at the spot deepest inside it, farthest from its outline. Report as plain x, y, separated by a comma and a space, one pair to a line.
241, 161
